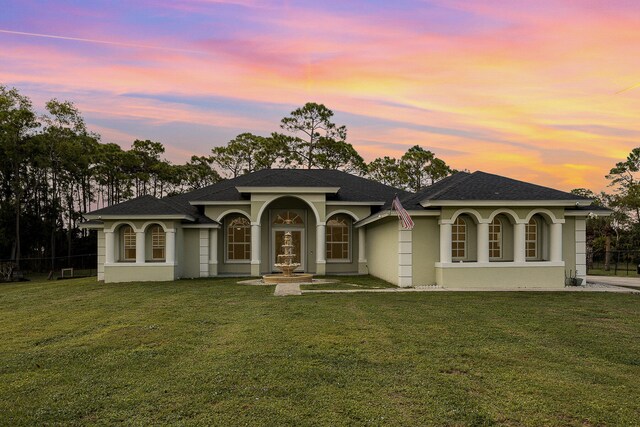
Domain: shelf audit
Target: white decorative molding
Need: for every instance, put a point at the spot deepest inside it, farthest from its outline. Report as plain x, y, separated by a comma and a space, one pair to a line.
204, 253
581, 247
476, 203
405, 255
499, 264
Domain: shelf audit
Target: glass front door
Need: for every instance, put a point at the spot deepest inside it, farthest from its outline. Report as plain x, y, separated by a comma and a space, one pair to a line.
297, 236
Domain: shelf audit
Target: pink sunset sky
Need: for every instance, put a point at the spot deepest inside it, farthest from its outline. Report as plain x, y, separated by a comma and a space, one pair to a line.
543, 91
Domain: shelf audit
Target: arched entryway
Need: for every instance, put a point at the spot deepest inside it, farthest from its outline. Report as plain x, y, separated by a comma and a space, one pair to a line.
288, 214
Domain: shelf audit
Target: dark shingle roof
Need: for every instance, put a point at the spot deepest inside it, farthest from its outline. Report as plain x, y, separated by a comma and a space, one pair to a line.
352, 188
486, 186
143, 205
152, 206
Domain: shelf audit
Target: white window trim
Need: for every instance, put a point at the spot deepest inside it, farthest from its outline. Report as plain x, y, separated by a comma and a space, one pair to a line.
466, 240
226, 241
349, 258
500, 239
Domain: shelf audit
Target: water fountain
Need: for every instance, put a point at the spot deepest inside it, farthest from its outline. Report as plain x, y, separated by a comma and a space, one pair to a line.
287, 266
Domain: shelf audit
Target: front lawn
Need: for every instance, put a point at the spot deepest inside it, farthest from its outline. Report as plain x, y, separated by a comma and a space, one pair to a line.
210, 352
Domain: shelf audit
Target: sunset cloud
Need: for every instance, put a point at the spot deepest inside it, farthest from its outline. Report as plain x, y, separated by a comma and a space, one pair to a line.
545, 91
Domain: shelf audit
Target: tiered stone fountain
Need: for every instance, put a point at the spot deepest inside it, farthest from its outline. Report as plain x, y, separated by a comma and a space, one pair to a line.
287, 266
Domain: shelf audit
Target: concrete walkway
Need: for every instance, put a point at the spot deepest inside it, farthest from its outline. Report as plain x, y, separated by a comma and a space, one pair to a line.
285, 289
594, 284
587, 288
627, 282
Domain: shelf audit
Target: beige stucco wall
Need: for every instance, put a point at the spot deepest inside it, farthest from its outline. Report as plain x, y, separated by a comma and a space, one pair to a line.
426, 250
358, 212
507, 238
191, 253
500, 277
216, 213
382, 249
569, 244
139, 273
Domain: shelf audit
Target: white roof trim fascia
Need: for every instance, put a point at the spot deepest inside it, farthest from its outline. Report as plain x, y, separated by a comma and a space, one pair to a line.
219, 203
588, 213
430, 203
201, 226
389, 212
372, 218
344, 203
288, 190
103, 217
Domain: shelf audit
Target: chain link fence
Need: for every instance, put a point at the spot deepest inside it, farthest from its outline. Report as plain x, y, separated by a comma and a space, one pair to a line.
622, 262
31, 268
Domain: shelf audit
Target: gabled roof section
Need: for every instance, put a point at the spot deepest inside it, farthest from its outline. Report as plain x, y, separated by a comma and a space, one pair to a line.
143, 205
149, 206
351, 188
485, 187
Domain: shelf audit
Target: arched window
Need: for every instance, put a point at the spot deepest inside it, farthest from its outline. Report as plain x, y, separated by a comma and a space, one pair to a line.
128, 243
157, 243
338, 238
238, 238
459, 239
531, 239
495, 239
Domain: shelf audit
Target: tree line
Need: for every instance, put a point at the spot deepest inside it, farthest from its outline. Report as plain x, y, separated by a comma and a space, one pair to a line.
53, 169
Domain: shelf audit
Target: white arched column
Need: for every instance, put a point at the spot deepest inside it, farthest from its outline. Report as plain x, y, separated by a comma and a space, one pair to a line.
445, 242
483, 242
140, 247
518, 242
556, 242
362, 250
170, 241
255, 248
321, 248
109, 247
213, 252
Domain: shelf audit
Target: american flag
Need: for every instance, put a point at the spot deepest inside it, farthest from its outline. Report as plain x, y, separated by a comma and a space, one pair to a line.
403, 215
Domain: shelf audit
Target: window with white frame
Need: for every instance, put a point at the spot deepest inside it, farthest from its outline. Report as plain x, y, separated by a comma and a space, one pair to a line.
495, 239
128, 243
238, 238
337, 238
459, 239
531, 239
157, 243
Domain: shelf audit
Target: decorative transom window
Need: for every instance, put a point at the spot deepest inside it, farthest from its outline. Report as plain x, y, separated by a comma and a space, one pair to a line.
337, 238
495, 239
157, 243
531, 239
128, 243
459, 239
238, 238
288, 218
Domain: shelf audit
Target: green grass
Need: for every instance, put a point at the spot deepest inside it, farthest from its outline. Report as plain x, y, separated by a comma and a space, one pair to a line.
350, 283
210, 352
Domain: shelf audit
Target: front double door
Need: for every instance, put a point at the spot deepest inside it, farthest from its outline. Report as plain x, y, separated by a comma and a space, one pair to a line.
277, 240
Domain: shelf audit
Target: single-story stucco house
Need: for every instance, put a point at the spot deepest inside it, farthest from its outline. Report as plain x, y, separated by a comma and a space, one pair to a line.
471, 230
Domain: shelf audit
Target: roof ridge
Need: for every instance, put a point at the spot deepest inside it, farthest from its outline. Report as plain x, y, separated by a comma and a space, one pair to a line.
357, 189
